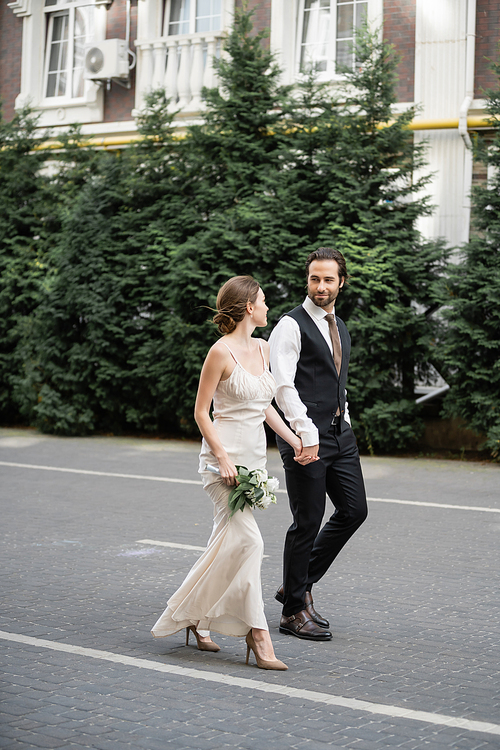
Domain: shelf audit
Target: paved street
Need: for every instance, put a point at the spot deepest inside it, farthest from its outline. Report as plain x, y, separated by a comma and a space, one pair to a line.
88, 564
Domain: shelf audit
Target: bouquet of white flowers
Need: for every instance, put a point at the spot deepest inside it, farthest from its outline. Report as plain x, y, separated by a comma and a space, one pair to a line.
255, 488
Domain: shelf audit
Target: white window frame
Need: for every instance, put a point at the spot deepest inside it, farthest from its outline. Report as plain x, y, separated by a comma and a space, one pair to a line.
56, 110
331, 71
192, 19
330, 42
51, 12
287, 24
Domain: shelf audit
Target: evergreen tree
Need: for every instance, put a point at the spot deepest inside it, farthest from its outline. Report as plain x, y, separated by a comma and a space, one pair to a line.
100, 319
373, 205
143, 239
231, 216
470, 352
24, 224
309, 156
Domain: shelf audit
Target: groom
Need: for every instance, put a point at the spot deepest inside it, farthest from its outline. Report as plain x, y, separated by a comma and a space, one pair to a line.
310, 349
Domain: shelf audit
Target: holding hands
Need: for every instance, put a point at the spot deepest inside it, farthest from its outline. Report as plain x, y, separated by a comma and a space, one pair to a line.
303, 456
307, 454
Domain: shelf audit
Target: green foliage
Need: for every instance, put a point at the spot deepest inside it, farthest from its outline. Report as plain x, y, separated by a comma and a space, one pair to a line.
99, 326
24, 224
107, 313
471, 347
231, 219
388, 425
373, 207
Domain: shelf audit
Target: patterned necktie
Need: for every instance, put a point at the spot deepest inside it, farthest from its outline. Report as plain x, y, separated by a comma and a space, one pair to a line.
334, 335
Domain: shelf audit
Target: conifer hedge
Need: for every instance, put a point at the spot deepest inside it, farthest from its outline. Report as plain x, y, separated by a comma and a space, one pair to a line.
374, 203
25, 222
470, 350
111, 261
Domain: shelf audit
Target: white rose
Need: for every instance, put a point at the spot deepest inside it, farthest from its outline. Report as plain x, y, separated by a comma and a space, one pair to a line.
260, 476
272, 485
265, 501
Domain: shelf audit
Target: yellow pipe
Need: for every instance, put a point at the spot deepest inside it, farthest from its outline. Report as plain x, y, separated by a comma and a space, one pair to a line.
472, 122
95, 141
433, 124
119, 141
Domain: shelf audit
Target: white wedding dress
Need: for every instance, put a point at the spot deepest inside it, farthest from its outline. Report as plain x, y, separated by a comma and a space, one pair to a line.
222, 591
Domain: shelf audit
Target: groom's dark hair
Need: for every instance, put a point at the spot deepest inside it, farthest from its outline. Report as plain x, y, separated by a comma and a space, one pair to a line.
328, 253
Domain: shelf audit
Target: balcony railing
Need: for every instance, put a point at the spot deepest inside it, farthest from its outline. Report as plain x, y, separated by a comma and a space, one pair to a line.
181, 65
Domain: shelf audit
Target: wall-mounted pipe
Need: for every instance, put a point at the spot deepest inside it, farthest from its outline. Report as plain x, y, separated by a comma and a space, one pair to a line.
462, 121
452, 124
470, 53
131, 53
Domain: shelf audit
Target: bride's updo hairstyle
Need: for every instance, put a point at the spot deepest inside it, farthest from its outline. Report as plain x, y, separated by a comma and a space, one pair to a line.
232, 302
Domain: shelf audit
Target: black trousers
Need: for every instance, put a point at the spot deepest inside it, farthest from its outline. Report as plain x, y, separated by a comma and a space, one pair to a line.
309, 551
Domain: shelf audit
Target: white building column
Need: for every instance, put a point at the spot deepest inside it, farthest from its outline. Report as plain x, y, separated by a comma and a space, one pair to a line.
284, 38
440, 84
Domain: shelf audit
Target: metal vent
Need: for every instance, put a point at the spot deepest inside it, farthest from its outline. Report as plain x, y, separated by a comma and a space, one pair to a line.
94, 60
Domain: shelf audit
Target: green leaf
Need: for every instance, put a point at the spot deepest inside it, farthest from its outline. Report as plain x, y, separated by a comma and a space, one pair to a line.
240, 504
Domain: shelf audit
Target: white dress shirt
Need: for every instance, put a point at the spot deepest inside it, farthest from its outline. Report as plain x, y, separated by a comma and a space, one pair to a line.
285, 342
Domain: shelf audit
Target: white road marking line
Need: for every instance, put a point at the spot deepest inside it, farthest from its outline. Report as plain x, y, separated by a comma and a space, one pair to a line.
242, 682
101, 473
170, 544
174, 544
199, 483
433, 505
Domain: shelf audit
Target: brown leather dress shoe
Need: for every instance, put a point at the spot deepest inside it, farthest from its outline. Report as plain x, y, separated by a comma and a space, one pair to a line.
308, 607
301, 626
312, 612
279, 595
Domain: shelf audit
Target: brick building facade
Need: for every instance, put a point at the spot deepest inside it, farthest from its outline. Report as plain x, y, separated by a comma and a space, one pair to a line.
11, 37
487, 50
399, 30
445, 48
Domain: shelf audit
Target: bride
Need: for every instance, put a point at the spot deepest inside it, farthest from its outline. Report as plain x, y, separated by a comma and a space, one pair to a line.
222, 591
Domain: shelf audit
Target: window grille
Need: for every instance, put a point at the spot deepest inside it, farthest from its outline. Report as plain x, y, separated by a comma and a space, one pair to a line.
69, 27
191, 16
327, 34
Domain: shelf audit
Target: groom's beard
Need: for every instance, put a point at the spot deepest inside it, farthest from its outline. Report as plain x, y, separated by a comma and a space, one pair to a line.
323, 301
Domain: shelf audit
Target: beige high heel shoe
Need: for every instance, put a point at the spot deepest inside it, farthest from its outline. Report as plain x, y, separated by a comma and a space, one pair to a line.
202, 645
262, 663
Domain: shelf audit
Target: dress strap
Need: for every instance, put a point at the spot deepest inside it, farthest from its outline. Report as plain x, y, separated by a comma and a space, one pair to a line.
231, 353
262, 354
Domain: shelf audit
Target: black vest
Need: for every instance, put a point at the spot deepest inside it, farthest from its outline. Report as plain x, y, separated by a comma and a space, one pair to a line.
320, 388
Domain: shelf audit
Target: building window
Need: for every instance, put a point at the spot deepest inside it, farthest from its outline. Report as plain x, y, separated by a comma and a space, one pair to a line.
190, 16
327, 33
69, 27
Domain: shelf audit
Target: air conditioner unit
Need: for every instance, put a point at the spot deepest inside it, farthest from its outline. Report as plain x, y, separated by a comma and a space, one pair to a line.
106, 59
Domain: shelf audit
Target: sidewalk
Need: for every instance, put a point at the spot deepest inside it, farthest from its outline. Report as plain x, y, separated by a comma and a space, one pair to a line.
87, 568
